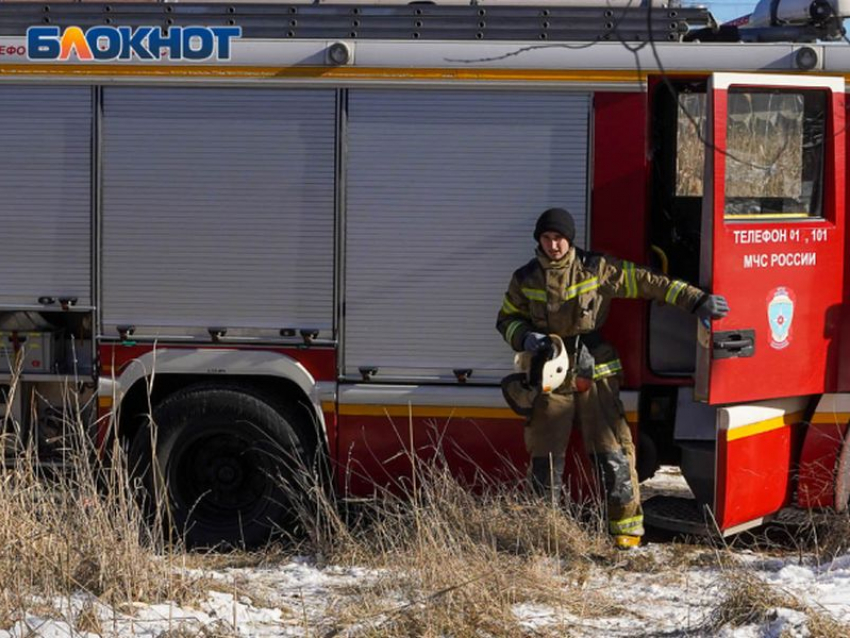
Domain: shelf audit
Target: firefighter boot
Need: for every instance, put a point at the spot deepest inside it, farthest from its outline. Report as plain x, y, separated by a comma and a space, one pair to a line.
624, 541
547, 474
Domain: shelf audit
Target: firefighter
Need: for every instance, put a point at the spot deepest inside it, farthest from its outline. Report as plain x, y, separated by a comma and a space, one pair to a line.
566, 291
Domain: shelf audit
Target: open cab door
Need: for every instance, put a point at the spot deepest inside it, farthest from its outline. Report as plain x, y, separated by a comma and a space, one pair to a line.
773, 233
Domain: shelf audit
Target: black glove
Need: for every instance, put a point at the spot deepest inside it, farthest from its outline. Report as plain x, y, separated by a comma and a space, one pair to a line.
535, 342
712, 307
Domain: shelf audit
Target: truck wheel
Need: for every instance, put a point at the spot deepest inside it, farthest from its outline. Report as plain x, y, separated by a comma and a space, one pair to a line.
227, 461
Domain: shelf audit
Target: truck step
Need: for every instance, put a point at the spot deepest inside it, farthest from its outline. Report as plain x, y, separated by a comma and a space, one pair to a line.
678, 514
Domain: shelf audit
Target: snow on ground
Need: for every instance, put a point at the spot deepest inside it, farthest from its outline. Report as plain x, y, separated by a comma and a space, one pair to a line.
291, 600
661, 589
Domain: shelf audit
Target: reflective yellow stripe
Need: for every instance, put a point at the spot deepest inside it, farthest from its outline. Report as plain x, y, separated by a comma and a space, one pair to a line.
761, 427
509, 308
426, 411
631, 280
633, 525
674, 290
534, 294
582, 287
393, 74
607, 369
581, 291
513, 326
769, 216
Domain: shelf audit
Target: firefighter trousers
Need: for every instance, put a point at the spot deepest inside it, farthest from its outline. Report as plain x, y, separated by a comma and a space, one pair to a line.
599, 414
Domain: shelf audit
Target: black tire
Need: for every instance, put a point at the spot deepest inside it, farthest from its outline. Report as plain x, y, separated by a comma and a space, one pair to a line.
226, 460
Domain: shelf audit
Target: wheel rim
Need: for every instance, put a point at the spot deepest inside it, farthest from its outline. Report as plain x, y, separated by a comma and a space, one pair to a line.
222, 478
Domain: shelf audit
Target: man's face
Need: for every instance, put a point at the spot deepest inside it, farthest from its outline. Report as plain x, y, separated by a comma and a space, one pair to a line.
554, 244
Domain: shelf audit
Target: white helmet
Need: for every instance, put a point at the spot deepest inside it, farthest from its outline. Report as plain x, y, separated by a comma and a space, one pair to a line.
555, 369
538, 372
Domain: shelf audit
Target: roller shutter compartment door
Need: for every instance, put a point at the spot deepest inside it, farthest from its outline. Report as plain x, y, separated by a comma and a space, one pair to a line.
45, 193
218, 210
442, 191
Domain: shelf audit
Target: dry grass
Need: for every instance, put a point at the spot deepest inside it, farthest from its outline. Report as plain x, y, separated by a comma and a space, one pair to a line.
834, 537
690, 146
88, 620
455, 563
764, 157
749, 600
819, 535
77, 528
450, 562
217, 629
442, 560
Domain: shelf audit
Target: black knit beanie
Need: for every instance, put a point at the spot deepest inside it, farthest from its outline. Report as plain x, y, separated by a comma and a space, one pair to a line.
556, 219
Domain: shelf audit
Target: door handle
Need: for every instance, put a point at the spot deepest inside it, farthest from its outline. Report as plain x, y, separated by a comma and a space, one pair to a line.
733, 344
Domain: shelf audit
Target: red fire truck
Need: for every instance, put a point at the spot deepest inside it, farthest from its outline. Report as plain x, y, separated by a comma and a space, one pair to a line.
262, 229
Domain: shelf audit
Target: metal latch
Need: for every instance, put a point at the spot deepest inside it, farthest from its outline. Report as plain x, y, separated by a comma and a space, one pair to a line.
309, 335
217, 333
733, 343
367, 373
462, 374
125, 332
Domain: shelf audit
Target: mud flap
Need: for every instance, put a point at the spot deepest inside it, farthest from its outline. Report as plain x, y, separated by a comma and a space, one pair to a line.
755, 453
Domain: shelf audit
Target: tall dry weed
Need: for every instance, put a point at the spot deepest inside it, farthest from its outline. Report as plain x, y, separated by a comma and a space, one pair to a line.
74, 525
451, 561
749, 600
834, 536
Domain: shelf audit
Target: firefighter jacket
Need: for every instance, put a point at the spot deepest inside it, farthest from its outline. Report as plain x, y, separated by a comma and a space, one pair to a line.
572, 297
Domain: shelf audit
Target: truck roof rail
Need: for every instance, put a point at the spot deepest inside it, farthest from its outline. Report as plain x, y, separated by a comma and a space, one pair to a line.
426, 21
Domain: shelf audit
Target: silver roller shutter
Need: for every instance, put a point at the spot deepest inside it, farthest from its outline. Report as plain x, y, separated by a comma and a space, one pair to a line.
218, 209
443, 188
45, 193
